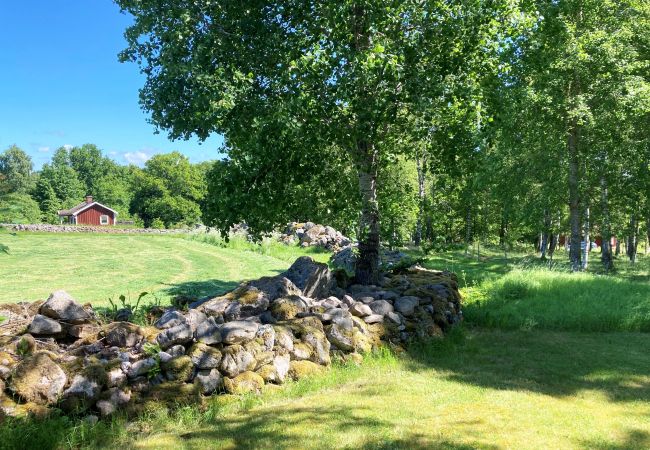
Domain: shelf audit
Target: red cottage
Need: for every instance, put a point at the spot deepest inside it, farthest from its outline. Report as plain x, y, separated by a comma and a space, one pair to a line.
89, 213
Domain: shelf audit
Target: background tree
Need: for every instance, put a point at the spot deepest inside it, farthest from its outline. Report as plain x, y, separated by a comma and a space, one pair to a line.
335, 73
15, 171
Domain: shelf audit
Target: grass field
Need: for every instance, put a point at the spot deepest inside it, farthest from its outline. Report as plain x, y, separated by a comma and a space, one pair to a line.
545, 359
93, 267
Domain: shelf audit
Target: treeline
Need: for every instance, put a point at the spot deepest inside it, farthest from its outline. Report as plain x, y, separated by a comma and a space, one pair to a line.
167, 192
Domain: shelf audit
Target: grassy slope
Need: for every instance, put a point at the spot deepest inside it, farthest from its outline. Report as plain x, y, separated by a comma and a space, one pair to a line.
95, 267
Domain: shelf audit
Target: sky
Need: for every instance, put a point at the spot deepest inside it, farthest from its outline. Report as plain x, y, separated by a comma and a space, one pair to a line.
61, 84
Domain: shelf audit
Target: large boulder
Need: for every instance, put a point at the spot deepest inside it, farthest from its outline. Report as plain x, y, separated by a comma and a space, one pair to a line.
205, 357
123, 334
208, 331
406, 305
180, 334
208, 381
38, 379
313, 278
61, 306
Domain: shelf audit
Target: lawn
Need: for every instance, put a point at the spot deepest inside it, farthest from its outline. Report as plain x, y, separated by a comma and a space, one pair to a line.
94, 267
545, 359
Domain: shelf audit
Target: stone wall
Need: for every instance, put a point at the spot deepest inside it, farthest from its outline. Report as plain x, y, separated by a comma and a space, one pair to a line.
47, 228
59, 353
309, 234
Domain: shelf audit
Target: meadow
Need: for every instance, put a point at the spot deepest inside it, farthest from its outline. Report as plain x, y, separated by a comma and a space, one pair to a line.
544, 359
94, 268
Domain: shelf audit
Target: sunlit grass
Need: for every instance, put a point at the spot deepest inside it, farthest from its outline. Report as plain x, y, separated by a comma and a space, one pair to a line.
94, 267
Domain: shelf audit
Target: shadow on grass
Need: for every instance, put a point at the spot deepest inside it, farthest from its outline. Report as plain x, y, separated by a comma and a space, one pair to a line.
291, 428
634, 439
551, 363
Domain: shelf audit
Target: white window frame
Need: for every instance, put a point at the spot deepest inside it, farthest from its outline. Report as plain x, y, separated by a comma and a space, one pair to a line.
101, 219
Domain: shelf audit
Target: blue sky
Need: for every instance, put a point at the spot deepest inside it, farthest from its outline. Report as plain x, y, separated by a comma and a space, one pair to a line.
61, 84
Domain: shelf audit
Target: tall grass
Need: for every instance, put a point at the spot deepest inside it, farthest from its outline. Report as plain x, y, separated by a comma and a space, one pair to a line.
557, 300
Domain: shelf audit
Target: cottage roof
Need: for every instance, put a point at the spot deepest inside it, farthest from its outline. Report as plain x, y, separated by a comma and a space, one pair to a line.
82, 207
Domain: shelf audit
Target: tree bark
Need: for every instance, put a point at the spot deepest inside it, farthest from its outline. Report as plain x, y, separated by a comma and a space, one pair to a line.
545, 234
586, 240
606, 248
367, 269
468, 229
633, 240
574, 197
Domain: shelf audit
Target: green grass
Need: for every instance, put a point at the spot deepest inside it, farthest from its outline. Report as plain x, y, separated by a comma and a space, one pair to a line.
94, 267
545, 359
479, 389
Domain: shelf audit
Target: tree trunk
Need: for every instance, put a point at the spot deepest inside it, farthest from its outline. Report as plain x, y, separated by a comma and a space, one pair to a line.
367, 269
647, 242
545, 234
618, 246
421, 195
586, 240
606, 248
633, 240
574, 197
468, 229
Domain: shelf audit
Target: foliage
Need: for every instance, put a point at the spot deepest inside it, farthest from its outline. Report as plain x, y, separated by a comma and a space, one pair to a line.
169, 189
15, 171
19, 208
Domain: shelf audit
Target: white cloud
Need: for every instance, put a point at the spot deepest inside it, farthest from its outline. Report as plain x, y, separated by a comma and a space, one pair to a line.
44, 149
138, 157
112, 153
67, 146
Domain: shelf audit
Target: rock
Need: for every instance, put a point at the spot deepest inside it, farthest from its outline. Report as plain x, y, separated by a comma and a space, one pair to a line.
115, 377
287, 308
38, 379
267, 334
42, 325
176, 351
275, 287
381, 307
243, 383
204, 357
216, 306
374, 318
320, 345
394, 317
195, 318
84, 331
283, 337
61, 306
331, 302
301, 369
236, 360
114, 399
341, 337
83, 392
301, 351
142, 367
349, 301
180, 368
281, 364
360, 310
123, 334
169, 319
314, 279
208, 381
208, 332
366, 299
123, 315
238, 332
268, 374
406, 305
180, 334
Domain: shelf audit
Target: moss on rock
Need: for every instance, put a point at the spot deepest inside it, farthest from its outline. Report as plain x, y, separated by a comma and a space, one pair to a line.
244, 382
301, 369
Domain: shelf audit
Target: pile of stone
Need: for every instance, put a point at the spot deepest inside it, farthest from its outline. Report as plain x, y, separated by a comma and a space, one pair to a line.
310, 234
48, 228
265, 331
